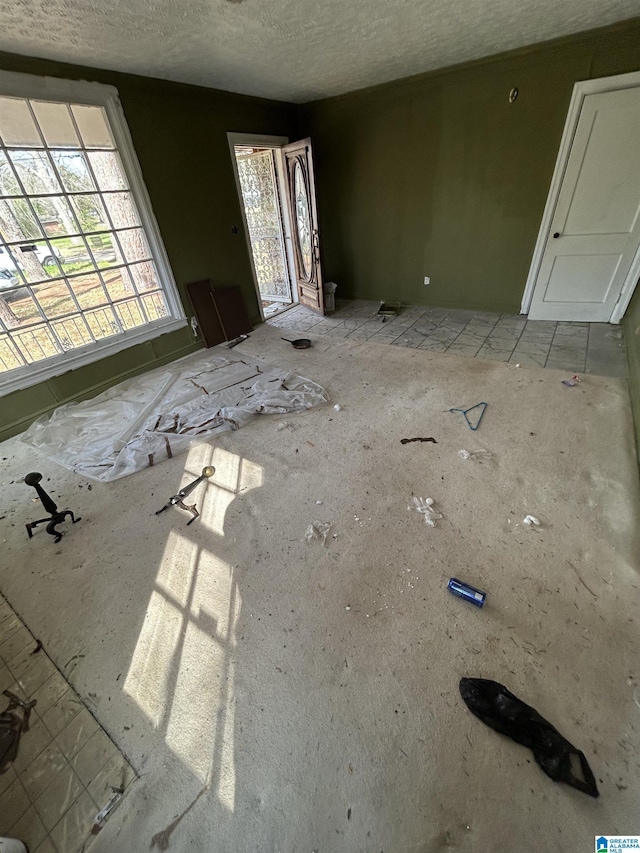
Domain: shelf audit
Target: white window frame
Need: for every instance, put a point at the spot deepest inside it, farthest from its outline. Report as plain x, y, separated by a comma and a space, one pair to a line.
29, 86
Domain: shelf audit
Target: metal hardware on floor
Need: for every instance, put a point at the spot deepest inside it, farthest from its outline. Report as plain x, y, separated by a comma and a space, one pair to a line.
236, 341
465, 412
104, 813
54, 517
177, 500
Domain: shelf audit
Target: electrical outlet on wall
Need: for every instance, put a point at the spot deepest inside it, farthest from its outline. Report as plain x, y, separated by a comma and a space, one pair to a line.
427, 280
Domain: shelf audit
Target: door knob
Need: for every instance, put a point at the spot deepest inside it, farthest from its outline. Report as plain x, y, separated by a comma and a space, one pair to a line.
556, 235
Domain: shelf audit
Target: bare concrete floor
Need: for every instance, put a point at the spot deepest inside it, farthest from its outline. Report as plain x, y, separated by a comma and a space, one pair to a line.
296, 697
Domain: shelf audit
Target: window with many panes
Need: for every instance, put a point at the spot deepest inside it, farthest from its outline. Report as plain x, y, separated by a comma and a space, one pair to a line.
82, 269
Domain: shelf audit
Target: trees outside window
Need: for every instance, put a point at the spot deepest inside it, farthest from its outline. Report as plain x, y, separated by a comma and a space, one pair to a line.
82, 267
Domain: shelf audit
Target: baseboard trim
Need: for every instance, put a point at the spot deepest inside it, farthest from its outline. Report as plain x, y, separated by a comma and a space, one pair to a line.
497, 308
633, 366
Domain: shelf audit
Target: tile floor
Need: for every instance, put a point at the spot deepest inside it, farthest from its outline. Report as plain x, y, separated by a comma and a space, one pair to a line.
575, 347
271, 309
66, 764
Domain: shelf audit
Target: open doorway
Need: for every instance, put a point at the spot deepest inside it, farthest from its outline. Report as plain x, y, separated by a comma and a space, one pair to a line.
258, 170
276, 187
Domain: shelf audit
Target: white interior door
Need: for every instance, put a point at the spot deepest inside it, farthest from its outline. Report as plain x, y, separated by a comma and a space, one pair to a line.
595, 229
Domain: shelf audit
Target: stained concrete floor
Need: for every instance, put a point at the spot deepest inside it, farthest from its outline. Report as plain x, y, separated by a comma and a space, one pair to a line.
286, 696
592, 348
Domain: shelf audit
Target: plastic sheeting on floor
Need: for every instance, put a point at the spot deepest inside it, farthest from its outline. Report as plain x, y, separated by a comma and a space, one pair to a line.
145, 420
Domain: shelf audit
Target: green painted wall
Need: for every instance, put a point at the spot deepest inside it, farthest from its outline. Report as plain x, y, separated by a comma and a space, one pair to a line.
440, 175
433, 175
631, 324
180, 136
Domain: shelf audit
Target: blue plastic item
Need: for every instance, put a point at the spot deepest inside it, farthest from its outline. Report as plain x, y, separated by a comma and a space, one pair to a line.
465, 412
466, 591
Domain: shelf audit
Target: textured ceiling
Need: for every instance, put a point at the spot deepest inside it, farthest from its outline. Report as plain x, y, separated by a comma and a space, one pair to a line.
294, 50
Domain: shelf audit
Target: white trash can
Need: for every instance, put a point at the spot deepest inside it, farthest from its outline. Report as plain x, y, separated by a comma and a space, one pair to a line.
329, 289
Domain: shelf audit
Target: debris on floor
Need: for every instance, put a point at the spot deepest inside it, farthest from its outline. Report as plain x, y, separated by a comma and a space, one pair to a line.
571, 382
55, 517
178, 500
499, 709
104, 813
466, 591
388, 309
465, 412
410, 440
337, 407
236, 341
426, 506
319, 530
285, 425
579, 576
531, 521
152, 417
476, 455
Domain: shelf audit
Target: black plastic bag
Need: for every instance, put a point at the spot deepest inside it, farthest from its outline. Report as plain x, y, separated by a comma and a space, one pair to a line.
501, 710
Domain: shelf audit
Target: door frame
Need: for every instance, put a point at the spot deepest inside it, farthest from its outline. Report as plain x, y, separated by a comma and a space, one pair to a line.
275, 143
580, 90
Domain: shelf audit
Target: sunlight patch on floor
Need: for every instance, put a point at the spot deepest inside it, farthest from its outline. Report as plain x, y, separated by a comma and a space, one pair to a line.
234, 475
146, 680
181, 673
179, 562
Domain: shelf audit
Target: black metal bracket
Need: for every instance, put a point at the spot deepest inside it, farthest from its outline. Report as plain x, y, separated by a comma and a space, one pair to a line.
54, 518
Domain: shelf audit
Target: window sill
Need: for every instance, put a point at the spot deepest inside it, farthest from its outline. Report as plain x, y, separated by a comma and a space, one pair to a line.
32, 374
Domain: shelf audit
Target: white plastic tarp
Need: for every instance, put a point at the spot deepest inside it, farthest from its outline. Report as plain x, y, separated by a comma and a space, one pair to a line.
142, 421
